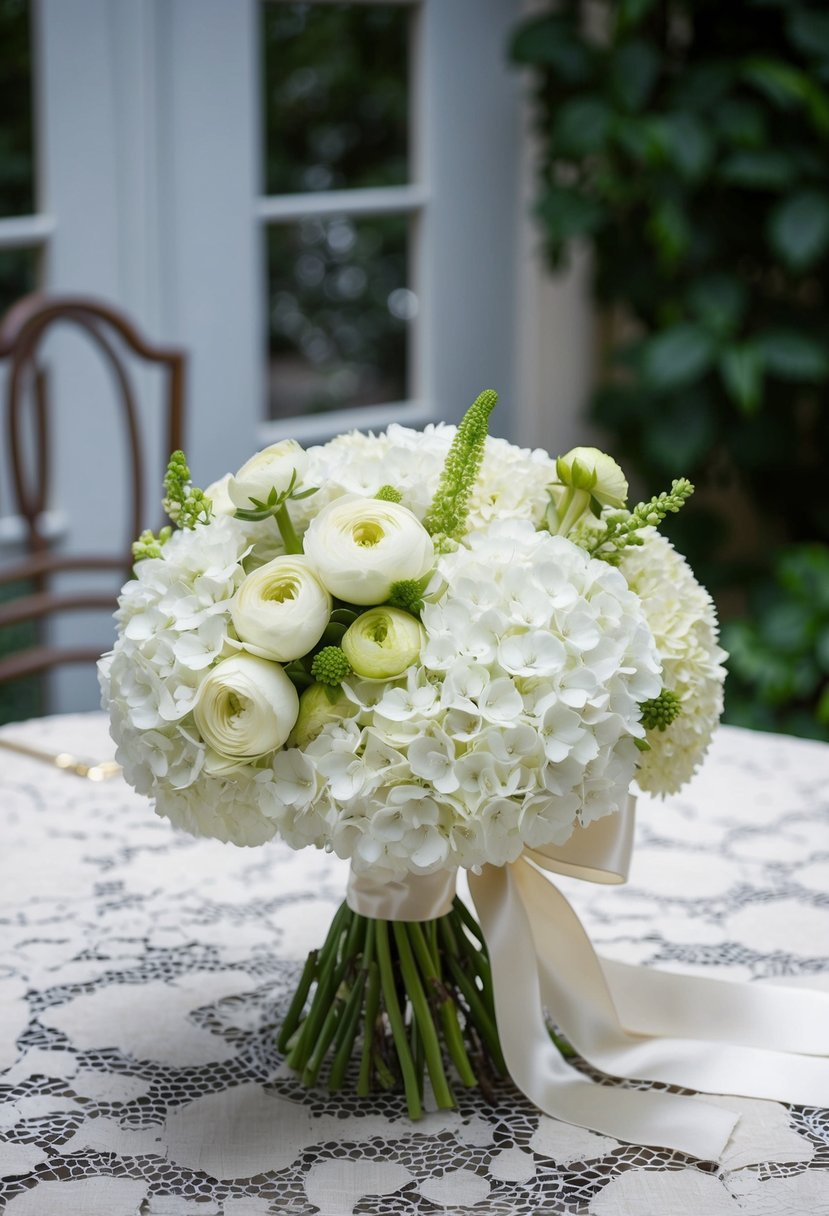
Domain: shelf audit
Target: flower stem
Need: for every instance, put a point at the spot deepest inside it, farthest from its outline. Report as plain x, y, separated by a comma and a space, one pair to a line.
448, 1013
372, 1008
396, 1022
290, 539
298, 1002
346, 1033
428, 1033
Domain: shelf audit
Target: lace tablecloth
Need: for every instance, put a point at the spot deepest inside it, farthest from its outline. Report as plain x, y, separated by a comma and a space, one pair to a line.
142, 975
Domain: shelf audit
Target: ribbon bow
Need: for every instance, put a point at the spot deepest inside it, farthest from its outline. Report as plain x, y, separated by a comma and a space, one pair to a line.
714, 1036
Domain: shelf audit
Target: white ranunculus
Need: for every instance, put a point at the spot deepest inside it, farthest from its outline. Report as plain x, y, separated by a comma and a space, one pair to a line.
246, 707
270, 469
281, 610
360, 546
593, 470
318, 706
220, 501
382, 643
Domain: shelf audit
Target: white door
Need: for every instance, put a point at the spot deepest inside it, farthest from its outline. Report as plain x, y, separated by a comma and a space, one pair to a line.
320, 202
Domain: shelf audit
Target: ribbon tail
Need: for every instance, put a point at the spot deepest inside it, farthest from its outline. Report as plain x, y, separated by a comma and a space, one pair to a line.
652, 1002
574, 989
662, 1120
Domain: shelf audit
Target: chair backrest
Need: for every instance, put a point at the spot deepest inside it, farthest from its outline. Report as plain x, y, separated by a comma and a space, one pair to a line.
22, 331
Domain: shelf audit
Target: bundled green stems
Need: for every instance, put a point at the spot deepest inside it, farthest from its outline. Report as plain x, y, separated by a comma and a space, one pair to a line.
403, 999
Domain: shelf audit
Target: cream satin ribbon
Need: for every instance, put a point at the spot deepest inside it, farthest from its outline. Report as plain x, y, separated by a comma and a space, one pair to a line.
710, 1035
715, 1036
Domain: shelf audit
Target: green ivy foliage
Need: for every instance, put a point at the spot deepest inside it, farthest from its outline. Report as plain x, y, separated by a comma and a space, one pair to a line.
687, 141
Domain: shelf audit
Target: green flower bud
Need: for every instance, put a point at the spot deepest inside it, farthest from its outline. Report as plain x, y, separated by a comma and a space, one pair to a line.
659, 712
382, 643
330, 666
389, 494
318, 706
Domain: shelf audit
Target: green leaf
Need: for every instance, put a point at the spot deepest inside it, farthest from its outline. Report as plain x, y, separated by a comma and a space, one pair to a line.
758, 170
788, 88
643, 138
670, 231
741, 122
741, 369
688, 145
581, 127
809, 31
681, 433
568, 213
678, 356
793, 356
632, 73
552, 42
782, 83
701, 85
799, 228
718, 301
630, 12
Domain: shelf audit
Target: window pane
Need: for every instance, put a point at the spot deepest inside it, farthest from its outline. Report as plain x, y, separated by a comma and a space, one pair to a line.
17, 192
336, 96
18, 275
338, 309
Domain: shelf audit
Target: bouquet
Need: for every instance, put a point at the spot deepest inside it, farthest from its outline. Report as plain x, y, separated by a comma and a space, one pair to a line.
424, 651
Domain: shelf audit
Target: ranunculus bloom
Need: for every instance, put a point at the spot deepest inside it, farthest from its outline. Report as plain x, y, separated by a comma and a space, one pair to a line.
593, 470
246, 707
281, 610
270, 469
220, 501
382, 643
360, 546
318, 706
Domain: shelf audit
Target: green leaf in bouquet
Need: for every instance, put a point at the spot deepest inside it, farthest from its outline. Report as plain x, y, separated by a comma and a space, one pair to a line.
718, 301
582, 126
344, 616
758, 169
632, 73
741, 369
799, 228
793, 356
677, 356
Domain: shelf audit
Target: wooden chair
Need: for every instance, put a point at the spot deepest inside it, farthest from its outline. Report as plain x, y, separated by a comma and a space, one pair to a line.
22, 331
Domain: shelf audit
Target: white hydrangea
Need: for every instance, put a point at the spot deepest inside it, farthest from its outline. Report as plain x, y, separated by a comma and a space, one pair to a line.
512, 483
519, 722
682, 618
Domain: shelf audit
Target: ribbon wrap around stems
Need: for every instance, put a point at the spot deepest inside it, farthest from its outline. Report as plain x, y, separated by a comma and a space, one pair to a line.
715, 1036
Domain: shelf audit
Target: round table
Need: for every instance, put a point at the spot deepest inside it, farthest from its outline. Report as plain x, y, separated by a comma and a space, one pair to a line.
143, 973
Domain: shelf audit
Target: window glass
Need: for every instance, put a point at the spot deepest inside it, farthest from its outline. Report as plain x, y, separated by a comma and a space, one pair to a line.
18, 274
335, 96
17, 192
338, 308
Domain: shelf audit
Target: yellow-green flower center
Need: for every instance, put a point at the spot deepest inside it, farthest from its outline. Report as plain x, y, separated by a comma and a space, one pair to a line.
367, 533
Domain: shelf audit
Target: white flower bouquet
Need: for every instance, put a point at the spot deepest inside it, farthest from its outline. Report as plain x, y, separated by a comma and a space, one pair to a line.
424, 651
